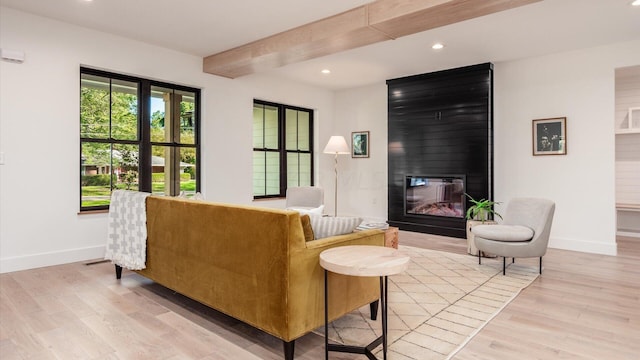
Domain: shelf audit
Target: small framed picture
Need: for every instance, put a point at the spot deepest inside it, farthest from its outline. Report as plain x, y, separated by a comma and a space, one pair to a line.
360, 144
550, 136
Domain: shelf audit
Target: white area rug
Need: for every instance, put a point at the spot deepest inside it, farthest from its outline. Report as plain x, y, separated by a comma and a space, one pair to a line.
437, 305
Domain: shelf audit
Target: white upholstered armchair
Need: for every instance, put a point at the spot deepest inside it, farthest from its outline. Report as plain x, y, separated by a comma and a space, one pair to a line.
523, 233
305, 198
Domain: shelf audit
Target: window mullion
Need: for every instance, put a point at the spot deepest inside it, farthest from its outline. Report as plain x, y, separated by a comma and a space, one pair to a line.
282, 129
144, 140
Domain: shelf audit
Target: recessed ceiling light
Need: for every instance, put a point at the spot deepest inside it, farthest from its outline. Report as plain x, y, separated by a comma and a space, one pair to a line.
326, 71
636, 3
437, 46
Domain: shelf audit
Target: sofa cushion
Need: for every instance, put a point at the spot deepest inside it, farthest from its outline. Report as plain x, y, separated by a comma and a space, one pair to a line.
306, 227
326, 226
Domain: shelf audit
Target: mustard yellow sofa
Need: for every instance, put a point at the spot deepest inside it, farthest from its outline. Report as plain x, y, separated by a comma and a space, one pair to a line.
252, 264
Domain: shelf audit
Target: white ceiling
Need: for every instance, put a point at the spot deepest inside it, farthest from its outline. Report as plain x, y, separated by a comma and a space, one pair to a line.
205, 27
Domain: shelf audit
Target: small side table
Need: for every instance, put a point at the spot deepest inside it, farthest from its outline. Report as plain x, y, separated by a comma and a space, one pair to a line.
361, 260
391, 237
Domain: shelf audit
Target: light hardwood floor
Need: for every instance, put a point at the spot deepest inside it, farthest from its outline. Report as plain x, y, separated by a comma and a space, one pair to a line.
584, 306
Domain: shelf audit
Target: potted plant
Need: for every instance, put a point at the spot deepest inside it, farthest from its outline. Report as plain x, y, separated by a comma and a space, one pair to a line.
479, 213
481, 209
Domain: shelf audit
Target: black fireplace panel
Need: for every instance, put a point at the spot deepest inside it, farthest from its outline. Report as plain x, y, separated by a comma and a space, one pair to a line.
440, 123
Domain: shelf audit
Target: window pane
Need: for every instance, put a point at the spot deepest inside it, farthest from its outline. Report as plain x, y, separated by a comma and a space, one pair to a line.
173, 116
259, 176
291, 123
292, 169
297, 130
258, 126
125, 166
271, 127
158, 109
187, 117
265, 126
304, 141
161, 165
95, 170
305, 169
94, 107
187, 171
124, 110
273, 173
173, 171
298, 169
266, 173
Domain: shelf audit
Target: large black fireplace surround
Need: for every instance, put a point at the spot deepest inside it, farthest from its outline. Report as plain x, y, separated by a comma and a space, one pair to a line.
440, 147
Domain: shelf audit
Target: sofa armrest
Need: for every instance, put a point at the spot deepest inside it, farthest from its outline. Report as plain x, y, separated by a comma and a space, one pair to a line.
365, 237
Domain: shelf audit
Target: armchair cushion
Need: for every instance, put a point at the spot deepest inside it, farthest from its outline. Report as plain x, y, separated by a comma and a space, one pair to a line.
511, 233
307, 209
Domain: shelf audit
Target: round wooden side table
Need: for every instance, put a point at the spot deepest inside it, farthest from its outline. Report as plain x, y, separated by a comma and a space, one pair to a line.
361, 260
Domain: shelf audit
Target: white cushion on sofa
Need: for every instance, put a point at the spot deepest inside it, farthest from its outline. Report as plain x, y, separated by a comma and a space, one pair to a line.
307, 210
325, 226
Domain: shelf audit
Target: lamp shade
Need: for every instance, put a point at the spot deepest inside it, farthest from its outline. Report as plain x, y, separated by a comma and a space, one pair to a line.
337, 145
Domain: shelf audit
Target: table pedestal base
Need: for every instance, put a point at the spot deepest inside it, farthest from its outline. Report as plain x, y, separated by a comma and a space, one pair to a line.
365, 350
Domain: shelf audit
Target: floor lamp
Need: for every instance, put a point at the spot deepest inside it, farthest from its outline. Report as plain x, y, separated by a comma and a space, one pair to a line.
337, 145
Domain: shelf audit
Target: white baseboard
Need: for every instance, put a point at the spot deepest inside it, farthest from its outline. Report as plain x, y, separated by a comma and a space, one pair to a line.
584, 246
50, 259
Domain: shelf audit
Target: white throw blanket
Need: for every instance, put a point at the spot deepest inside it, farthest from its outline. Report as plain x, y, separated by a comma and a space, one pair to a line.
127, 231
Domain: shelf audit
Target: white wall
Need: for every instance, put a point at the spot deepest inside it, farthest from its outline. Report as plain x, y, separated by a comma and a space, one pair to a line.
362, 182
580, 86
39, 117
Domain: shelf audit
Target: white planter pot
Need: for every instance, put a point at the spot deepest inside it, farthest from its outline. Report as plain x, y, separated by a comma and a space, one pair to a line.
471, 245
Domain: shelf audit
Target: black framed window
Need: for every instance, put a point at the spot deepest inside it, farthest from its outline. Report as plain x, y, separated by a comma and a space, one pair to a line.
136, 134
282, 148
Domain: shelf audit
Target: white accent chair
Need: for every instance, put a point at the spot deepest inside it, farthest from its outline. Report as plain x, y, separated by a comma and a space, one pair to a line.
305, 198
523, 233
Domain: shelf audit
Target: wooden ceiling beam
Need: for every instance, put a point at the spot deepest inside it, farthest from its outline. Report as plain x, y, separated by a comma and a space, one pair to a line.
405, 17
379, 21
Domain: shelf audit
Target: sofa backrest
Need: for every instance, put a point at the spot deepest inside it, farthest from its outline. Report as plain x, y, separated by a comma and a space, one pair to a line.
233, 258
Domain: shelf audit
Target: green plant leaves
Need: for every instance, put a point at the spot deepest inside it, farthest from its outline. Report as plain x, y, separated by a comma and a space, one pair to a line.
481, 209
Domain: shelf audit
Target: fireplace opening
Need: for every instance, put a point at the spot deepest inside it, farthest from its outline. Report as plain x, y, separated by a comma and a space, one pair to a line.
435, 195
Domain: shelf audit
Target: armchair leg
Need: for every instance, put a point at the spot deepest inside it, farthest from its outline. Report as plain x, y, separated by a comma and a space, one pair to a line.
479, 258
504, 265
540, 265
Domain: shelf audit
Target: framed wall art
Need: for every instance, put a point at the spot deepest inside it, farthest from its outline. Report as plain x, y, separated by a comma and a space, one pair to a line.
550, 136
360, 144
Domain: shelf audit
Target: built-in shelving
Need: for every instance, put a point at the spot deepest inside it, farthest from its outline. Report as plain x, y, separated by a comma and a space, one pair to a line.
628, 207
633, 127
